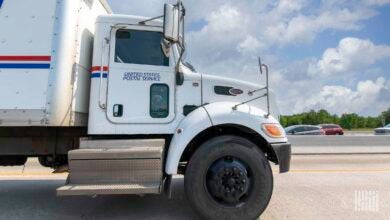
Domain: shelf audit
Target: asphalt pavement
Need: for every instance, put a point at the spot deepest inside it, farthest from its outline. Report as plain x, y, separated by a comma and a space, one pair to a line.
318, 187
341, 144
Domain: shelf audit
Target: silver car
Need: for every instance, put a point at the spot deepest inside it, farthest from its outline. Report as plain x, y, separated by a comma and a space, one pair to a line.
383, 131
304, 130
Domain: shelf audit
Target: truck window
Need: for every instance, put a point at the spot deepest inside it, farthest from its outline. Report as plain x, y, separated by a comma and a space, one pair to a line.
159, 101
139, 47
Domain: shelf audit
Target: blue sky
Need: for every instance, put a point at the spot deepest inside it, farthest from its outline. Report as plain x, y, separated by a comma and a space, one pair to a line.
331, 54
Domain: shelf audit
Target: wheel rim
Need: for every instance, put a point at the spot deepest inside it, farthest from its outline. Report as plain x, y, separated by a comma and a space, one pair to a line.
228, 181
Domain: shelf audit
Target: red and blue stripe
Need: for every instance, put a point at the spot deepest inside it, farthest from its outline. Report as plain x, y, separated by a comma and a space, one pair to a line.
25, 62
96, 71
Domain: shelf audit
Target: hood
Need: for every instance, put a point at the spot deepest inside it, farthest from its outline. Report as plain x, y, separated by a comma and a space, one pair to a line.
219, 89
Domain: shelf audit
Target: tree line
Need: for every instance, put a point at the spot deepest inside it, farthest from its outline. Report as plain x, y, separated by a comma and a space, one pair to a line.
346, 121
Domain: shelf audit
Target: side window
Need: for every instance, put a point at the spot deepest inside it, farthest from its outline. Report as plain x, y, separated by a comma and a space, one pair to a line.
299, 129
140, 47
159, 101
312, 128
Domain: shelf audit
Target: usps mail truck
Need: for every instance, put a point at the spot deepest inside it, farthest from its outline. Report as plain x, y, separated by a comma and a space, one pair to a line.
111, 98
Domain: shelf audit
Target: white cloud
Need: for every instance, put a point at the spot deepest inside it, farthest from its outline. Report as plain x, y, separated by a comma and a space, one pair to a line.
249, 45
356, 3
377, 2
229, 35
286, 7
236, 32
350, 55
273, 23
149, 8
341, 99
224, 20
224, 37
304, 28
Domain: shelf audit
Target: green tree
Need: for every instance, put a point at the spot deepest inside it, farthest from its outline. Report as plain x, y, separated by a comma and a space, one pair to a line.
373, 122
346, 121
284, 120
385, 117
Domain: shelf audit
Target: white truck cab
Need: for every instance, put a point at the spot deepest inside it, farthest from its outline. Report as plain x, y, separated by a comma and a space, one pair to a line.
150, 116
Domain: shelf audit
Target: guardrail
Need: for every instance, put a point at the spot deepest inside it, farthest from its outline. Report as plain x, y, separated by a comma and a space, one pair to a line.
340, 144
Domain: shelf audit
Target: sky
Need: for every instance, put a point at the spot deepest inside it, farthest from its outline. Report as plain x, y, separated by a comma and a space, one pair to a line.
323, 54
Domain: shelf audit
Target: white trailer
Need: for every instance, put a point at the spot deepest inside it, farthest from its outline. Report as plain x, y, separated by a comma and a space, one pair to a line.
45, 60
131, 114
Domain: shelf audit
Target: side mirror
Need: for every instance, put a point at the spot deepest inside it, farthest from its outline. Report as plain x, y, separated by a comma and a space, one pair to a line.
171, 23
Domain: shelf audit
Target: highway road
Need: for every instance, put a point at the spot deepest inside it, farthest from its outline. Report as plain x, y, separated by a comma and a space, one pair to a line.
346, 144
318, 187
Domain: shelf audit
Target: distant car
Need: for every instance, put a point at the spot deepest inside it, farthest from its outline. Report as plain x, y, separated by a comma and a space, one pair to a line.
383, 131
332, 129
304, 130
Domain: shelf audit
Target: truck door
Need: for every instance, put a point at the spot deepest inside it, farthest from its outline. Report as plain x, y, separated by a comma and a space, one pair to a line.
141, 80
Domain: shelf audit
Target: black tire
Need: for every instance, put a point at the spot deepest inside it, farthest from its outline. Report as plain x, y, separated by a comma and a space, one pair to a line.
43, 161
48, 161
197, 179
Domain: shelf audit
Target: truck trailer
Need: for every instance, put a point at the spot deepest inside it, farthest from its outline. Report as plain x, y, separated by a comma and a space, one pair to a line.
111, 98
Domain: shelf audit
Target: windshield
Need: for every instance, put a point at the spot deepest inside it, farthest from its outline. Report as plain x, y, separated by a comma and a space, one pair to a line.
387, 126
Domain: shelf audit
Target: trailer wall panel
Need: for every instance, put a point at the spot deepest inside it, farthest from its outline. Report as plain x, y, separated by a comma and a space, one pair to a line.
25, 55
45, 61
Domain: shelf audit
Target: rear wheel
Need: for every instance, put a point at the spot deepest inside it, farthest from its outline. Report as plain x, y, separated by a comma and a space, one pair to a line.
53, 162
228, 177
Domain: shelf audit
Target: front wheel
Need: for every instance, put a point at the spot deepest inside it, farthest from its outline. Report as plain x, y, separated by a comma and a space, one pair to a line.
228, 177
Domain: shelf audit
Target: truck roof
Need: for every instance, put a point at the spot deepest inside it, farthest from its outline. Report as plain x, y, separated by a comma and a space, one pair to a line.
126, 19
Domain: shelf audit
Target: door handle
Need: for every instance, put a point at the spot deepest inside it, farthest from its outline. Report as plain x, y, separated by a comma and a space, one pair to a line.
118, 110
102, 105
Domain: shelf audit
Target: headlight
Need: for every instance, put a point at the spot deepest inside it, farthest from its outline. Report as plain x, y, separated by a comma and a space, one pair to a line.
273, 130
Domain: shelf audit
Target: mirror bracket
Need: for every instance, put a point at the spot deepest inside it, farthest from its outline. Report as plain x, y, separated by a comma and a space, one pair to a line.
166, 47
150, 19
